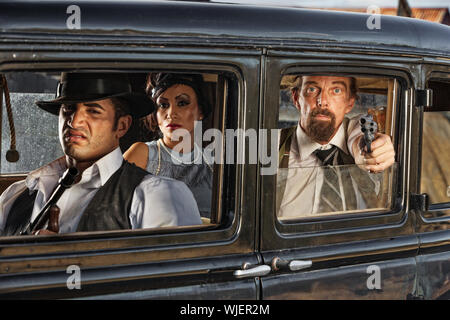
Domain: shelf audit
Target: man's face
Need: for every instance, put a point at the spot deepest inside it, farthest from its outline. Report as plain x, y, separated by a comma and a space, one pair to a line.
323, 101
86, 130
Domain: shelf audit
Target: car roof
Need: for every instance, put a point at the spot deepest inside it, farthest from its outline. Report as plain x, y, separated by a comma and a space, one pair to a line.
223, 24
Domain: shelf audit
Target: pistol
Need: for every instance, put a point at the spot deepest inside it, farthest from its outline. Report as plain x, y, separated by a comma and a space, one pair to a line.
67, 180
369, 128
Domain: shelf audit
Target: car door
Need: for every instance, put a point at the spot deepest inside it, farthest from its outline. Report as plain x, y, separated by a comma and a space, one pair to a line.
432, 182
177, 263
368, 253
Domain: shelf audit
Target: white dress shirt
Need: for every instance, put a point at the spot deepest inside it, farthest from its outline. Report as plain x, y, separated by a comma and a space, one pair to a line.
304, 176
157, 201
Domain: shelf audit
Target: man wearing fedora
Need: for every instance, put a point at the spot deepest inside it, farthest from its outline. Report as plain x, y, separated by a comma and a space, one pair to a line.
95, 111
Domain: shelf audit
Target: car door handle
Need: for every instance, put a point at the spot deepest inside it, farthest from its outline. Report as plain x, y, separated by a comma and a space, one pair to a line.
252, 271
293, 265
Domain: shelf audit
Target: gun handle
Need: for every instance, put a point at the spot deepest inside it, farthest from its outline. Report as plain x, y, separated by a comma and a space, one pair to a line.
53, 221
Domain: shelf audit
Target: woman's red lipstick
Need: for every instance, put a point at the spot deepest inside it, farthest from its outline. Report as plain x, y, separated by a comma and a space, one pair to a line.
173, 126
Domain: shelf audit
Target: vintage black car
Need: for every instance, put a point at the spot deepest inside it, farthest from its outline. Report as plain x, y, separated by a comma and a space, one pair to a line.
395, 249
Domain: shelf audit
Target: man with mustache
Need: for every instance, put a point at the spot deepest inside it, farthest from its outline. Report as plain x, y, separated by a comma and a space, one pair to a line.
324, 136
95, 111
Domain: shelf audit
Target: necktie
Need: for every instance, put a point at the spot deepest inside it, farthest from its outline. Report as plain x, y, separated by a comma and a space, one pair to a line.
326, 156
330, 195
331, 198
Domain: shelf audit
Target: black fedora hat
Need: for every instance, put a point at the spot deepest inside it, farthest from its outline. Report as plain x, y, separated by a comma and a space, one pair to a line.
76, 87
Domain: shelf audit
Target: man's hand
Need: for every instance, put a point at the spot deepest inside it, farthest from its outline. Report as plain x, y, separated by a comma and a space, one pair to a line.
44, 232
381, 157
53, 222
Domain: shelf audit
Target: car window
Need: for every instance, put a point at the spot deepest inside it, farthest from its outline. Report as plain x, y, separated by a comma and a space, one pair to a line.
306, 188
435, 171
36, 132
36, 135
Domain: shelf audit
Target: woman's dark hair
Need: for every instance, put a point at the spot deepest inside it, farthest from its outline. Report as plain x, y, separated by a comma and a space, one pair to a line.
159, 82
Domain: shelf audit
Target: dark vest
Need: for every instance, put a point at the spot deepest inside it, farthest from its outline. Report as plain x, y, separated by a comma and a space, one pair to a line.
108, 210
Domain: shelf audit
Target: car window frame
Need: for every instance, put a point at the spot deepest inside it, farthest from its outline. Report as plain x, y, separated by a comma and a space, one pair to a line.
155, 244
432, 73
310, 232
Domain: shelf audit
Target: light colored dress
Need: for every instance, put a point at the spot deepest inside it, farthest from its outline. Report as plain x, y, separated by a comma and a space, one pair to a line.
191, 168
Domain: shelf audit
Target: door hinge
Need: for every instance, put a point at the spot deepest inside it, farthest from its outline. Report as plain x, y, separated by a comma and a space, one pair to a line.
420, 201
423, 98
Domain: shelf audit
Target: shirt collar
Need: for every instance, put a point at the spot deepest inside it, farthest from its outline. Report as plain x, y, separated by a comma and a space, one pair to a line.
306, 146
51, 171
104, 168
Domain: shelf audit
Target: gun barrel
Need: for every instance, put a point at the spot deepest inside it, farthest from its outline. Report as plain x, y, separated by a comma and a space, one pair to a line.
69, 177
369, 127
67, 180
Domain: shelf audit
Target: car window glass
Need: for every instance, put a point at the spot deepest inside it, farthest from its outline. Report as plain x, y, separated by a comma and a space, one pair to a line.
36, 132
37, 139
435, 171
306, 188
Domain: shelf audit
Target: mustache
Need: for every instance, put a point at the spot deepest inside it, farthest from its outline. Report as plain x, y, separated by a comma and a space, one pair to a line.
322, 111
68, 130
318, 130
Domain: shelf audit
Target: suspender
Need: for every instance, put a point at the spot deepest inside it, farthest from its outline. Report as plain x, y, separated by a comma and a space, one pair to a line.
283, 161
285, 146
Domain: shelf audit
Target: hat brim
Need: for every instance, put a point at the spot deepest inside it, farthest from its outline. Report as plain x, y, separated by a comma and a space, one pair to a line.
139, 104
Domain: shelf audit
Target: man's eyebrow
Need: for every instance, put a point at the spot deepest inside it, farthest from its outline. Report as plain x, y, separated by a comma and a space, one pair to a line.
340, 82
310, 82
94, 105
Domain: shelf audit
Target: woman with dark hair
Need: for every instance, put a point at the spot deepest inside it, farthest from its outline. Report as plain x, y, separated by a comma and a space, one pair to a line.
179, 104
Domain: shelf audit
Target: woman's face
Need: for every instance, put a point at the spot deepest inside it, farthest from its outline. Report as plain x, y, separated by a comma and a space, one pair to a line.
177, 109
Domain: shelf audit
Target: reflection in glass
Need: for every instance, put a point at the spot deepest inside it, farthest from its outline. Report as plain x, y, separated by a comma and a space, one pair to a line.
436, 156
435, 171
35, 131
318, 191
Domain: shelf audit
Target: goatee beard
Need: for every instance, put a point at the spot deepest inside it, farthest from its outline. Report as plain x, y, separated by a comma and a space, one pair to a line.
320, 130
